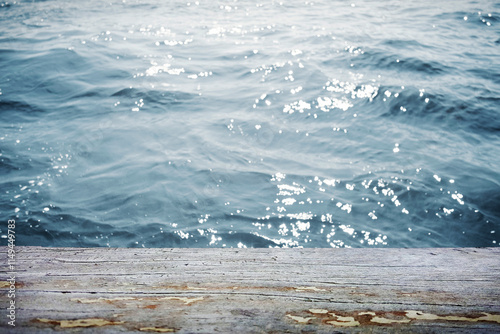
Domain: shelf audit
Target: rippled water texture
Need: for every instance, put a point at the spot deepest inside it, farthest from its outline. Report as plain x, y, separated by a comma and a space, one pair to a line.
244, 124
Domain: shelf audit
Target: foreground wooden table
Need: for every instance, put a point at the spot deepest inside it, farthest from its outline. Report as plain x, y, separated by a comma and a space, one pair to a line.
102, 290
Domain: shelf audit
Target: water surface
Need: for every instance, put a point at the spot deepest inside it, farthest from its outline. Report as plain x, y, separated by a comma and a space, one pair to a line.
250, 124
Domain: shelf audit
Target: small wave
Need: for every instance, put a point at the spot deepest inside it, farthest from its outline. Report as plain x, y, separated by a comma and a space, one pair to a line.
15, 108
375, 59
7, 165
436, 109
406, 44
155, 97
490, 74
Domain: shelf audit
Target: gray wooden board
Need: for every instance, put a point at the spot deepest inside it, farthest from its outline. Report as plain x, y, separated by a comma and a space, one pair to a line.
102, 290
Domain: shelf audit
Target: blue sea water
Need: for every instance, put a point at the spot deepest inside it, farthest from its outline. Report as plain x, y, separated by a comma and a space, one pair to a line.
147, 123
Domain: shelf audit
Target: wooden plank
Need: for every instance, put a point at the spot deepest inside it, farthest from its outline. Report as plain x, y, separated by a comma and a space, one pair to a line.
101, 290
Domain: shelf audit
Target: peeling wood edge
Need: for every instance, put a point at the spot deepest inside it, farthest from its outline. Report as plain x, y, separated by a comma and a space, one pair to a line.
189, 296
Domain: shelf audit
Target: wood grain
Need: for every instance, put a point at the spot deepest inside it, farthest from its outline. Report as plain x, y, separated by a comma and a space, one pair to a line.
102, 290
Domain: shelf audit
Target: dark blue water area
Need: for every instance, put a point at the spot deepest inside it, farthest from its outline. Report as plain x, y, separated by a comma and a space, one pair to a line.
250, 124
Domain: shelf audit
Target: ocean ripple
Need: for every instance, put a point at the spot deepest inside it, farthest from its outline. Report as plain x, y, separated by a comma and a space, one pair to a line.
242, 124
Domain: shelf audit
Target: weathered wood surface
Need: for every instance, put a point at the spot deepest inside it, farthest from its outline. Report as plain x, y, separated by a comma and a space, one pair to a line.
254, 290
